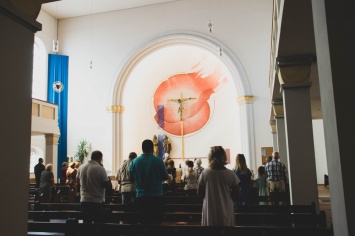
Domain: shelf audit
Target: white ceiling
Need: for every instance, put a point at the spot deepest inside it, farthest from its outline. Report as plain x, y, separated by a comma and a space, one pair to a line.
73, 8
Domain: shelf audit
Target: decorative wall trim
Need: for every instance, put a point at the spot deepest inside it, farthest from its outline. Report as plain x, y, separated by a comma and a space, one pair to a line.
246, 100
115, 109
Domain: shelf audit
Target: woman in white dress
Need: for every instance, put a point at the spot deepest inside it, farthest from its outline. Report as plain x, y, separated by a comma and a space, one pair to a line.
216, 184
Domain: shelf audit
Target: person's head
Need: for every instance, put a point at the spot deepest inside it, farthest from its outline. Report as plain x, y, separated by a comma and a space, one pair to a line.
40, 160
147, 146
275, 155
240, 163
217, 157
72, 165
65, 164
132, 155
198, 162
190, 164
77, 164
49, 167
261, 171
171, 164
96, 156
268, 159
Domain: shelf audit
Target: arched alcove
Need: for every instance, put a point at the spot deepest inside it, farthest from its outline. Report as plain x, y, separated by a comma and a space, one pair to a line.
156, 61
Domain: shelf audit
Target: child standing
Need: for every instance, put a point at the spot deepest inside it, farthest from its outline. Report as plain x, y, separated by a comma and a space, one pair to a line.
260, 183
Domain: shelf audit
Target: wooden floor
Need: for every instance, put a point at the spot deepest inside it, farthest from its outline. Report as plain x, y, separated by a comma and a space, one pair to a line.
324, 203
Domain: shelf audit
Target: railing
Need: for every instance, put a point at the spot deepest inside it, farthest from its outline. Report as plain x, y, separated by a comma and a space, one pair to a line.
44, 117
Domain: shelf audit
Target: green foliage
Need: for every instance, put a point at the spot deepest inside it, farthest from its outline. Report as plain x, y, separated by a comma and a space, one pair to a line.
81, 151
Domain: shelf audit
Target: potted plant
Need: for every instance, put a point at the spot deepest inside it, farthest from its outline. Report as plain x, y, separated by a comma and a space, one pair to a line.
81, 151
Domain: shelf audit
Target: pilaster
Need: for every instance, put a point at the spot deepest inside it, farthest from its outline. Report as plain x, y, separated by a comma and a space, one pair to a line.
52, 152
246, 105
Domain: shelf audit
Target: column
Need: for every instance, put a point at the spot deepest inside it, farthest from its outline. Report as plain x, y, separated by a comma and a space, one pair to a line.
117, 129
52, 153
293, 74
334, 26
16, 63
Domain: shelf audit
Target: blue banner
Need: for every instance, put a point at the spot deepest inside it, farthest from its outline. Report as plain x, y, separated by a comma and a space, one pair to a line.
58, 94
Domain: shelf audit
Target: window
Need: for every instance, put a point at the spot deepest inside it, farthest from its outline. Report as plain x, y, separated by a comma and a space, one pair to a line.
39, 82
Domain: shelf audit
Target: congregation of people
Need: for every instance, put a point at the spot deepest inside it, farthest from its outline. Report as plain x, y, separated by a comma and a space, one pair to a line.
144, 180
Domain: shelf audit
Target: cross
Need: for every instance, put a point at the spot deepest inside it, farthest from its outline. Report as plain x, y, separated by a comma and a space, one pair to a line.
181, 100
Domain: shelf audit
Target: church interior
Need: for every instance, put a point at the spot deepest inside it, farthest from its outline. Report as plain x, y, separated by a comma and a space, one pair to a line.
251, 76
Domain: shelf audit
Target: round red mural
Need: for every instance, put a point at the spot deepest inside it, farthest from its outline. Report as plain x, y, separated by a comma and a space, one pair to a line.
185, 97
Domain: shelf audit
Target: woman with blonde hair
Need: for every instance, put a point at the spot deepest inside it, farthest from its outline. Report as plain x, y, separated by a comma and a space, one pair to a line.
216, 185
244, 174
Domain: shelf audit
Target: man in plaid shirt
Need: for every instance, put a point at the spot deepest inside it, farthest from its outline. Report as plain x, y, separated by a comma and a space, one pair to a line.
276, 173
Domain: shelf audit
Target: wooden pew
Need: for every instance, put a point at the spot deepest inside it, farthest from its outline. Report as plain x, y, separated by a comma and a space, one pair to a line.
242, 219
173, 199
71, 229
310, 209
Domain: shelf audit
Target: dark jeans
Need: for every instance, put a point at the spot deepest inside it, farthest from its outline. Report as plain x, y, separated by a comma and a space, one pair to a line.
150, 209
128, 197
93, 212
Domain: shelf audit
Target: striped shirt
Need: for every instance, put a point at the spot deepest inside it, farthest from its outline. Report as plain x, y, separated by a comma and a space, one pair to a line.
275, 170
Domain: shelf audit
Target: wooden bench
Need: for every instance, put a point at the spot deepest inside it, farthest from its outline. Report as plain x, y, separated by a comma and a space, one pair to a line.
310, 209
249, 200
242, 219
71, 229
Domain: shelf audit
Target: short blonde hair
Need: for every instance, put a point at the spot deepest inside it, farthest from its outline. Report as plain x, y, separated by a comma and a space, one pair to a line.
217, 157
49, 167
198, 161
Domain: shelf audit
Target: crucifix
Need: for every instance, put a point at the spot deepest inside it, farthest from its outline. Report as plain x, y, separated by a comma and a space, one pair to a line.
181, 100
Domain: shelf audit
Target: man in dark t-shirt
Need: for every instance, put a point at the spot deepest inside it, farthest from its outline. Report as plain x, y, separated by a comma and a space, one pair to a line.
38, 171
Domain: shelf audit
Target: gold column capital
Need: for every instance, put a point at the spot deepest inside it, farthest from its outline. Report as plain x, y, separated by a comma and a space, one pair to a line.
52, 138
246, 99
273, 128
294, 69
115, 109
278, 107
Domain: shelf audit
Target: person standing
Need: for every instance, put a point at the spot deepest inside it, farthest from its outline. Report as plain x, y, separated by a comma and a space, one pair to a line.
63, 173
149, 173
47, 183
191, 180
276, 174
244, 174
93, 181
126, 182
261, 183
216, 185
38, 171
198, 167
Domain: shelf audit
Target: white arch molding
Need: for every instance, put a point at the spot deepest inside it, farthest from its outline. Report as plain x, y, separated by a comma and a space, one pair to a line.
192, 39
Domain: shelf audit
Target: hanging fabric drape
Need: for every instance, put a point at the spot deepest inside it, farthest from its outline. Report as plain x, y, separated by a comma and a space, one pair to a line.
58, 94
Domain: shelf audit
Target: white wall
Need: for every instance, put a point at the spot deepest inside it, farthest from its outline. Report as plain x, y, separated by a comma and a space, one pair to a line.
319, 150
244, 26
